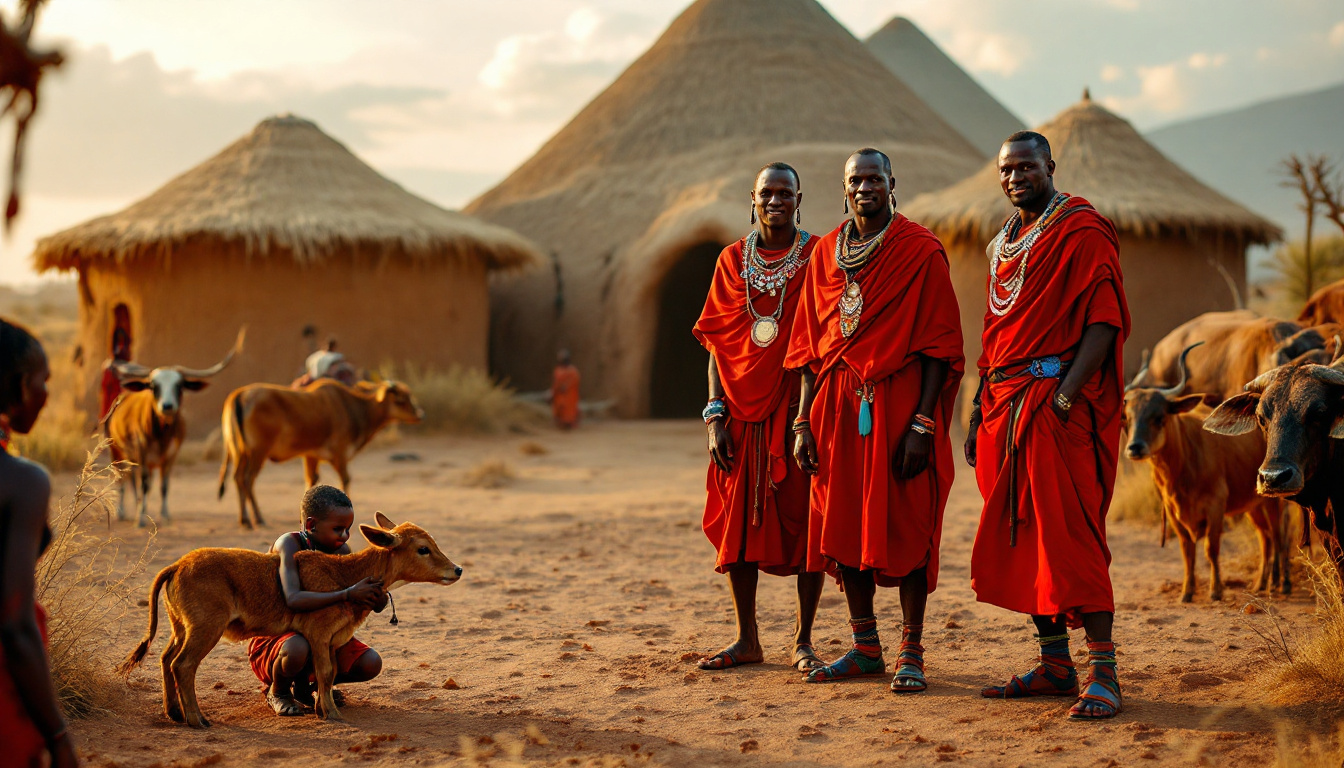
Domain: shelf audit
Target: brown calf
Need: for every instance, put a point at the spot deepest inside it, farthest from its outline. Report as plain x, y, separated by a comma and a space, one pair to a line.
235, 594
1203, 479
324, 421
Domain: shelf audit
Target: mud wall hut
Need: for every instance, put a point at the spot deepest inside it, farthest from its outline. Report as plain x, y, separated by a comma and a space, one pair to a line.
1182, 244
282, 230
635, 197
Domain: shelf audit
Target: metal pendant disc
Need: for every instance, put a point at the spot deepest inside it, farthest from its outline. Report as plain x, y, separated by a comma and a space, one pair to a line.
764, 331
852, 290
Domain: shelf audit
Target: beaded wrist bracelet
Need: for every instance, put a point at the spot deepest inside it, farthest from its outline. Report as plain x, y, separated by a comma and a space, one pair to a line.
800, 424
923, 424
716, 410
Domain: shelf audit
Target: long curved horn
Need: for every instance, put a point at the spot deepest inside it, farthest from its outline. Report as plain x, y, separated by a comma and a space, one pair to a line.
1171, 392
217, 367
1142, 374
129, 370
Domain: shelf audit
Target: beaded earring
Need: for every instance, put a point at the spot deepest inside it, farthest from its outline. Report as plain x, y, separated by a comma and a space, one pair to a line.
891, 198
753, 214
846, 205
798, 215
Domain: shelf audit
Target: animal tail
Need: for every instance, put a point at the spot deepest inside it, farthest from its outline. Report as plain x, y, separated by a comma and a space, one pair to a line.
231, 435
138, 655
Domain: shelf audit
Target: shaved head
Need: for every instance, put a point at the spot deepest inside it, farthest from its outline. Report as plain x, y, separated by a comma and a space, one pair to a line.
870, 152
1039, 142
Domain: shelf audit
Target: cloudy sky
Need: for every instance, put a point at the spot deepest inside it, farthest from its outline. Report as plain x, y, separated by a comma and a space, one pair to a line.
447, 97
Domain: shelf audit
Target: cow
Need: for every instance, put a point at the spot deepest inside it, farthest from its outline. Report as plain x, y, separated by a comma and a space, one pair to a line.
1324, 306
1202, 479
324, 421
235, 594
146, 428
1238, 346
1299, 408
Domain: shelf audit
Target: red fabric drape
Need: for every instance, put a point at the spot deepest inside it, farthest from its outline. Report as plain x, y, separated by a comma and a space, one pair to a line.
21, 742
1064, 470
861, 515
757, 512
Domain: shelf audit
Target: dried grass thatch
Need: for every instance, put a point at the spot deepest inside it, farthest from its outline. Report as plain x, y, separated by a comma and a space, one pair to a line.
664, 159
1102, 158
285, 190
943, 85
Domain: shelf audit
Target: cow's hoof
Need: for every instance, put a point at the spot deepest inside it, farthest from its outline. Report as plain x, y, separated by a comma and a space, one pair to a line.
245, 525
175, 715
1187, 598
1216, 597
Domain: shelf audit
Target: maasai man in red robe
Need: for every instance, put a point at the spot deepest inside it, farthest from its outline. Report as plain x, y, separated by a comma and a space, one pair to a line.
1046, 427
756, 510
565, 392
878, 342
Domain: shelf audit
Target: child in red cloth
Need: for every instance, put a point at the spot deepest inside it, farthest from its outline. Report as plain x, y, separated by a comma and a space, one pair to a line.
283, 663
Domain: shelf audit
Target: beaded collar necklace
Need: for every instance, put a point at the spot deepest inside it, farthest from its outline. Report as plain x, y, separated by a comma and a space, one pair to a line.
769, 277
852, 257
1003, 250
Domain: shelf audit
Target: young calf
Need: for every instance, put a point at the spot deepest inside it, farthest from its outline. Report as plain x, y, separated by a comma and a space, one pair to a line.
1203, 479
235, 594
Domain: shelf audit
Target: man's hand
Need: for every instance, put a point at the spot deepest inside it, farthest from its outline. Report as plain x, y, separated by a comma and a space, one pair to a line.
63, 753
1054, 406
720, 445
912, 455
805, 451
972, 436
368, 593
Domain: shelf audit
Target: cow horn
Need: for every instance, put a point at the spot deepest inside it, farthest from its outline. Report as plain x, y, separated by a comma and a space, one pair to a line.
128, 370
1171, 392
1327, 374
1142, 374
193, 373
1259, 383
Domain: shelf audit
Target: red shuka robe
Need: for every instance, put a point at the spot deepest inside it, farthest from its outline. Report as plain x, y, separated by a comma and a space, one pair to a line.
1065, 470
862, 516
565, 396
757, 512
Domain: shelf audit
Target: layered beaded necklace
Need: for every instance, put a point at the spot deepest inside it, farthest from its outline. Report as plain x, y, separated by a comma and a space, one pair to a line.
852, 257
1007, 248
769, 277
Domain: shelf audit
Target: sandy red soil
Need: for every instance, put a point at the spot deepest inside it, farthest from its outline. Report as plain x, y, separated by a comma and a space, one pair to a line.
589, 590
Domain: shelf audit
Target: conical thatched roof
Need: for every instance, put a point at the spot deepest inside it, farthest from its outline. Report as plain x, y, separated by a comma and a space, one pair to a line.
665, 157
944, 86
1102, 158
285, 189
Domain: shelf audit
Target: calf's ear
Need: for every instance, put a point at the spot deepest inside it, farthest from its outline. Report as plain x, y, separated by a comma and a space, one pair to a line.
378, 537
135, 385
1184, 404
383, 522
1236, 416
1337, 431
194, 385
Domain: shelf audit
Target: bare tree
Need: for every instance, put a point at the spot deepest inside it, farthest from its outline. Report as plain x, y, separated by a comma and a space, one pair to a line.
21, 68
1298, 173
1329, 188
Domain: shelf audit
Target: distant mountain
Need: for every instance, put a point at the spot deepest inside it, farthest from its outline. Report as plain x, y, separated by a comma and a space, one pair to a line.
1239, 152
944, 86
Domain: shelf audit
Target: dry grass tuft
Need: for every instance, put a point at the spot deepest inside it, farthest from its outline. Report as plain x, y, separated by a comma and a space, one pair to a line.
1310, 670
1298, 751
533, 448
464, 400
62, 437
1136, 499
491, 473
85, 581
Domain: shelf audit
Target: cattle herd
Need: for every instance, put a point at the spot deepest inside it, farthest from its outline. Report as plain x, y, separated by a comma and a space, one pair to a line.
324, 420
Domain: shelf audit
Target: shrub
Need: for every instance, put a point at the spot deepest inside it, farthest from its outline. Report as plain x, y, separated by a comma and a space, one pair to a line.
1310, 670
463, 400
1136, 499
491, 473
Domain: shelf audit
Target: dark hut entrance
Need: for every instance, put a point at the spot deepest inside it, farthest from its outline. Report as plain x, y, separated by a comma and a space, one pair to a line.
678, 388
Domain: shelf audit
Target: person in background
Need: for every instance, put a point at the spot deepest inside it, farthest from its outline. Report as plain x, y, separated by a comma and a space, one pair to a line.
32, 729
565, 392
109, 388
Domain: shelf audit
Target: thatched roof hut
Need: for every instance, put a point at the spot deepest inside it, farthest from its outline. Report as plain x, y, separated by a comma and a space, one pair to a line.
282, 230
944, 86
1182, 245
635, 197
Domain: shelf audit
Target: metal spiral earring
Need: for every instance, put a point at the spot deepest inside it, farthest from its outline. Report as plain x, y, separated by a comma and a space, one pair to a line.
846, 205
798, 215
753, 214
891, 198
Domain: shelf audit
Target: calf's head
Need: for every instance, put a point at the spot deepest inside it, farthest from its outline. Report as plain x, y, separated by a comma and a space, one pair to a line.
1299, 407
415, 557
1148, 410
169, 382
399, 401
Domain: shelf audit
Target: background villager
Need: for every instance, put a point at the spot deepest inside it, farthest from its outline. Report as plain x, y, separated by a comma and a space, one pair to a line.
565, 391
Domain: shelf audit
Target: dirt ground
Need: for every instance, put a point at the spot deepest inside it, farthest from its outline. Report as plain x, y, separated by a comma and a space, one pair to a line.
589, 591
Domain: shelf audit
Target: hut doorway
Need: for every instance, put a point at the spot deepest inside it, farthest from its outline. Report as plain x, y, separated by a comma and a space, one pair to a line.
120, 344
677, 387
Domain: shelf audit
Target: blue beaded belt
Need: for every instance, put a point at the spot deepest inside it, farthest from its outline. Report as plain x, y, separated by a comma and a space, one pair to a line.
1051, 367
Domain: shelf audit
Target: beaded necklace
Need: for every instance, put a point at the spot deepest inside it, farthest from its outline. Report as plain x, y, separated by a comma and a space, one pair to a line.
1005, 251
851, 258
772, 277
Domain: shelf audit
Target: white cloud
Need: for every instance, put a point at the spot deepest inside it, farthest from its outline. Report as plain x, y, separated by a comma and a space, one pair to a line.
1161, 89
1111, 73
1205, 61
986, 52
1337, 35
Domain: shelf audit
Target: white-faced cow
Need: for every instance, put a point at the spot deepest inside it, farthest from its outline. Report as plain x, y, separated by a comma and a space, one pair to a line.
1202, 479
1300, 410
146, 427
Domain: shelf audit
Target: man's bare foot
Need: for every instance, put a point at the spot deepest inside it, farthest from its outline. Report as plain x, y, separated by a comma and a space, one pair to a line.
805, 658
734, 655
283, 704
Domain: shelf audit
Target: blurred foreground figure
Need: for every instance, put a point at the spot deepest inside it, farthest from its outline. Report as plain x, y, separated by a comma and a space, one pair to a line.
565, 392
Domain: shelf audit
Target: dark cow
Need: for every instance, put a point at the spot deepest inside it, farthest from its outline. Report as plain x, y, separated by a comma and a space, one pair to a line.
1202, 479
146, 427
1300, 409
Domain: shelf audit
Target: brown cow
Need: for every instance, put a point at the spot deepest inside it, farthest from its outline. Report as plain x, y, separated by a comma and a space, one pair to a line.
1324, 306
1203, 479
235, 594
1237, 347
325, 421
146, 427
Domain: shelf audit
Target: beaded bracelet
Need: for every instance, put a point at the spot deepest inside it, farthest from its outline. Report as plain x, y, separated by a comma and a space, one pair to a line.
716, 409
800, 424
923, 424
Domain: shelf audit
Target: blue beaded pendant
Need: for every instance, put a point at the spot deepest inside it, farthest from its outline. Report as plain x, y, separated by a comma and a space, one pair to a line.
865, 417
